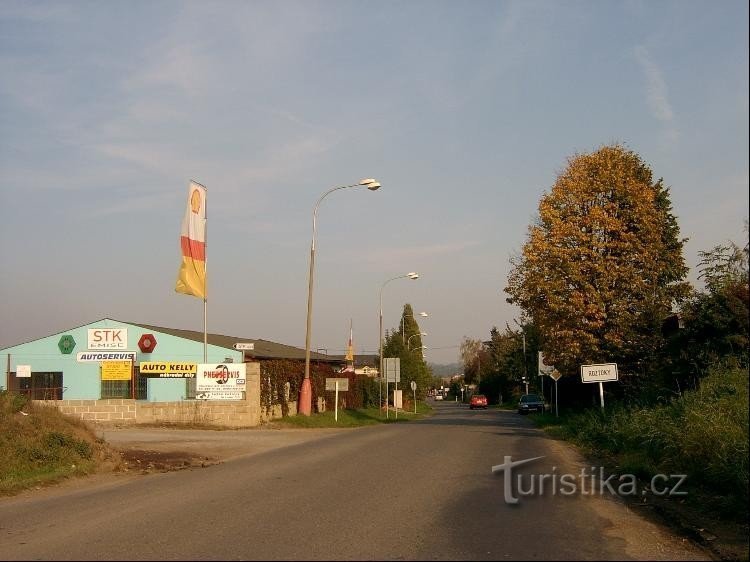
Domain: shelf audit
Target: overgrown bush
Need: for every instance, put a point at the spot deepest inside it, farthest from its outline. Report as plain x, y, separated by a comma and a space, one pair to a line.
38, 444
281, 381
702, 433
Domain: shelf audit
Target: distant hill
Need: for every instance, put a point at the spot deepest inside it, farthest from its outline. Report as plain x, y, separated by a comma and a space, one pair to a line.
446, 370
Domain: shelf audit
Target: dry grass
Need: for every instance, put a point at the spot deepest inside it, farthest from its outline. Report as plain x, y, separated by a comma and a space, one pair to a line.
39, 445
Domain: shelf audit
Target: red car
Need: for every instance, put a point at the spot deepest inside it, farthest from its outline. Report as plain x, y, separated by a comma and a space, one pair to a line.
478, 401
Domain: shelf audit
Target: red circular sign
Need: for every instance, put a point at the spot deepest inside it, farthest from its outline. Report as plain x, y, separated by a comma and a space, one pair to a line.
147, 343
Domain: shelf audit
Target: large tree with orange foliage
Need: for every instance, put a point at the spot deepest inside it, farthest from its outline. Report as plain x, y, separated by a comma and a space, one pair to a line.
602, 265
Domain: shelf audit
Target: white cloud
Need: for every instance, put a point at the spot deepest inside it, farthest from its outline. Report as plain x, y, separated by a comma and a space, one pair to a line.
656, 89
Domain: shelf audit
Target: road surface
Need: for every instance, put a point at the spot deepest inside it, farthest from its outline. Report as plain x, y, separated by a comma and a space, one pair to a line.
422, 490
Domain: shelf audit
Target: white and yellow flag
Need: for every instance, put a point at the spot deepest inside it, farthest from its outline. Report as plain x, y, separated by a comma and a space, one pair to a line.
191, 279
350, 347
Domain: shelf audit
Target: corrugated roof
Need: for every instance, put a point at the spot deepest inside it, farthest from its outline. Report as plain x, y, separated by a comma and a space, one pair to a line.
263, 349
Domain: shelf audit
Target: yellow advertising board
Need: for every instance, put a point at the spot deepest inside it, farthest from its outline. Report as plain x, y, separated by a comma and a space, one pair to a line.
116, 370
168, 369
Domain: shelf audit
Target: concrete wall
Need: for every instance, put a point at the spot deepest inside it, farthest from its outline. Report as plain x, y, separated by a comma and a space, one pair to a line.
229, 413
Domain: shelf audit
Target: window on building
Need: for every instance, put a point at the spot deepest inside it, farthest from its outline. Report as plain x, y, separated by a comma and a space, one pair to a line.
39, 386
141, 386
115, 389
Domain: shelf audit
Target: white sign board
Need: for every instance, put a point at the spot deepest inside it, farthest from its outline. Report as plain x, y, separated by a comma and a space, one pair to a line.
544, 369
605, 372
225, 381
108, 338
23, 371
241, 346
413, 385
95, 356
392, 366
343, 384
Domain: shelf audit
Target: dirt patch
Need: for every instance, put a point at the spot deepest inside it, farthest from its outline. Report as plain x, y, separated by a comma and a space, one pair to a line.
722, 538
725, 539
162, 461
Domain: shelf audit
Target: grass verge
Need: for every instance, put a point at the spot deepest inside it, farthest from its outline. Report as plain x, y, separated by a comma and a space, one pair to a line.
354, 418
39, 445
703, 434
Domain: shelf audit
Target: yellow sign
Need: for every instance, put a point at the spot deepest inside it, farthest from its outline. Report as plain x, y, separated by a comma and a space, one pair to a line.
116, 370
167, 367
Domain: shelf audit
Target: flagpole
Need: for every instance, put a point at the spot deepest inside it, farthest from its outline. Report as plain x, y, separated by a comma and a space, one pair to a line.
205, 283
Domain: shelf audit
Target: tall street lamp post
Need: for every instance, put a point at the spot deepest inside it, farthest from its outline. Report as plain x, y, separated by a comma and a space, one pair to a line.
525, 369
411, 275
403, 334
408, 341
305, 394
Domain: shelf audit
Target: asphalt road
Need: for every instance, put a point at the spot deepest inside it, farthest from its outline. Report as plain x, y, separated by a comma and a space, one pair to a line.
418, 490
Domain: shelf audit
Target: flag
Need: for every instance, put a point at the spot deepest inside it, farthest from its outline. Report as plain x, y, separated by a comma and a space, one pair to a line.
191, 279
350, 347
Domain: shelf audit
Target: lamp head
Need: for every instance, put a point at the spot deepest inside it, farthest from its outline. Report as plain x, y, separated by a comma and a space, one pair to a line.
424, 314
370, 183
413, 275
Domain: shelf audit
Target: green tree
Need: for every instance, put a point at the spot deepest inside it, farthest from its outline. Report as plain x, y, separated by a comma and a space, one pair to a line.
602, 265
716, 319
471, 352
508, 364
406, 344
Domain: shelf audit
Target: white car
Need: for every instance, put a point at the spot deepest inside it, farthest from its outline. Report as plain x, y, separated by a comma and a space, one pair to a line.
438, 397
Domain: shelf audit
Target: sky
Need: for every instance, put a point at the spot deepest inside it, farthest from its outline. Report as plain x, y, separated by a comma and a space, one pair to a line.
465, 112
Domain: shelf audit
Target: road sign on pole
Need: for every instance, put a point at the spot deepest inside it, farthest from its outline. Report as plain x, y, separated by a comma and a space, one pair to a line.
392, 368
336, 384
605, 372
414, 390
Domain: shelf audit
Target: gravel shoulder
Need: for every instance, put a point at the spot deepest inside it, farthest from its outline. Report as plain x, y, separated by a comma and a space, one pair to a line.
172, 448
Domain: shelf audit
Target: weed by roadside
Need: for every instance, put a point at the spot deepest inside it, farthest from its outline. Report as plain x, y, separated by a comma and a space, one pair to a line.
703, 434
39, 445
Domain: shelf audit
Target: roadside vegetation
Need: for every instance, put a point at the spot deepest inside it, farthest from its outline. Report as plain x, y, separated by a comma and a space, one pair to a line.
703, 433
356, 417
39, 445
601, 278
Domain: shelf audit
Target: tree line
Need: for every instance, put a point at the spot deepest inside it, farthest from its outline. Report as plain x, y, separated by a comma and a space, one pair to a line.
601, 278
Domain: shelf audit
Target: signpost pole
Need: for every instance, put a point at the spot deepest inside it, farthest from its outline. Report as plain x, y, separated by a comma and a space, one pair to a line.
601, 394
336, 409
556, 413
395, 398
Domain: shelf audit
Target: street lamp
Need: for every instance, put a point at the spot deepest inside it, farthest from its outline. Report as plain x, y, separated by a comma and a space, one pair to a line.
408, 341
525, 369
403, 334
305, 394
412, 275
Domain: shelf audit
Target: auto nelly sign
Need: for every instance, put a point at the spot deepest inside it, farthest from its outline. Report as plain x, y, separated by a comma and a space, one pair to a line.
226, 381
108, 338
168, 370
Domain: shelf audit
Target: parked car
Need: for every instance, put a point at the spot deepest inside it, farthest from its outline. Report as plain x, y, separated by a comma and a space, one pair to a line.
438, 396
531, 403
478, 401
